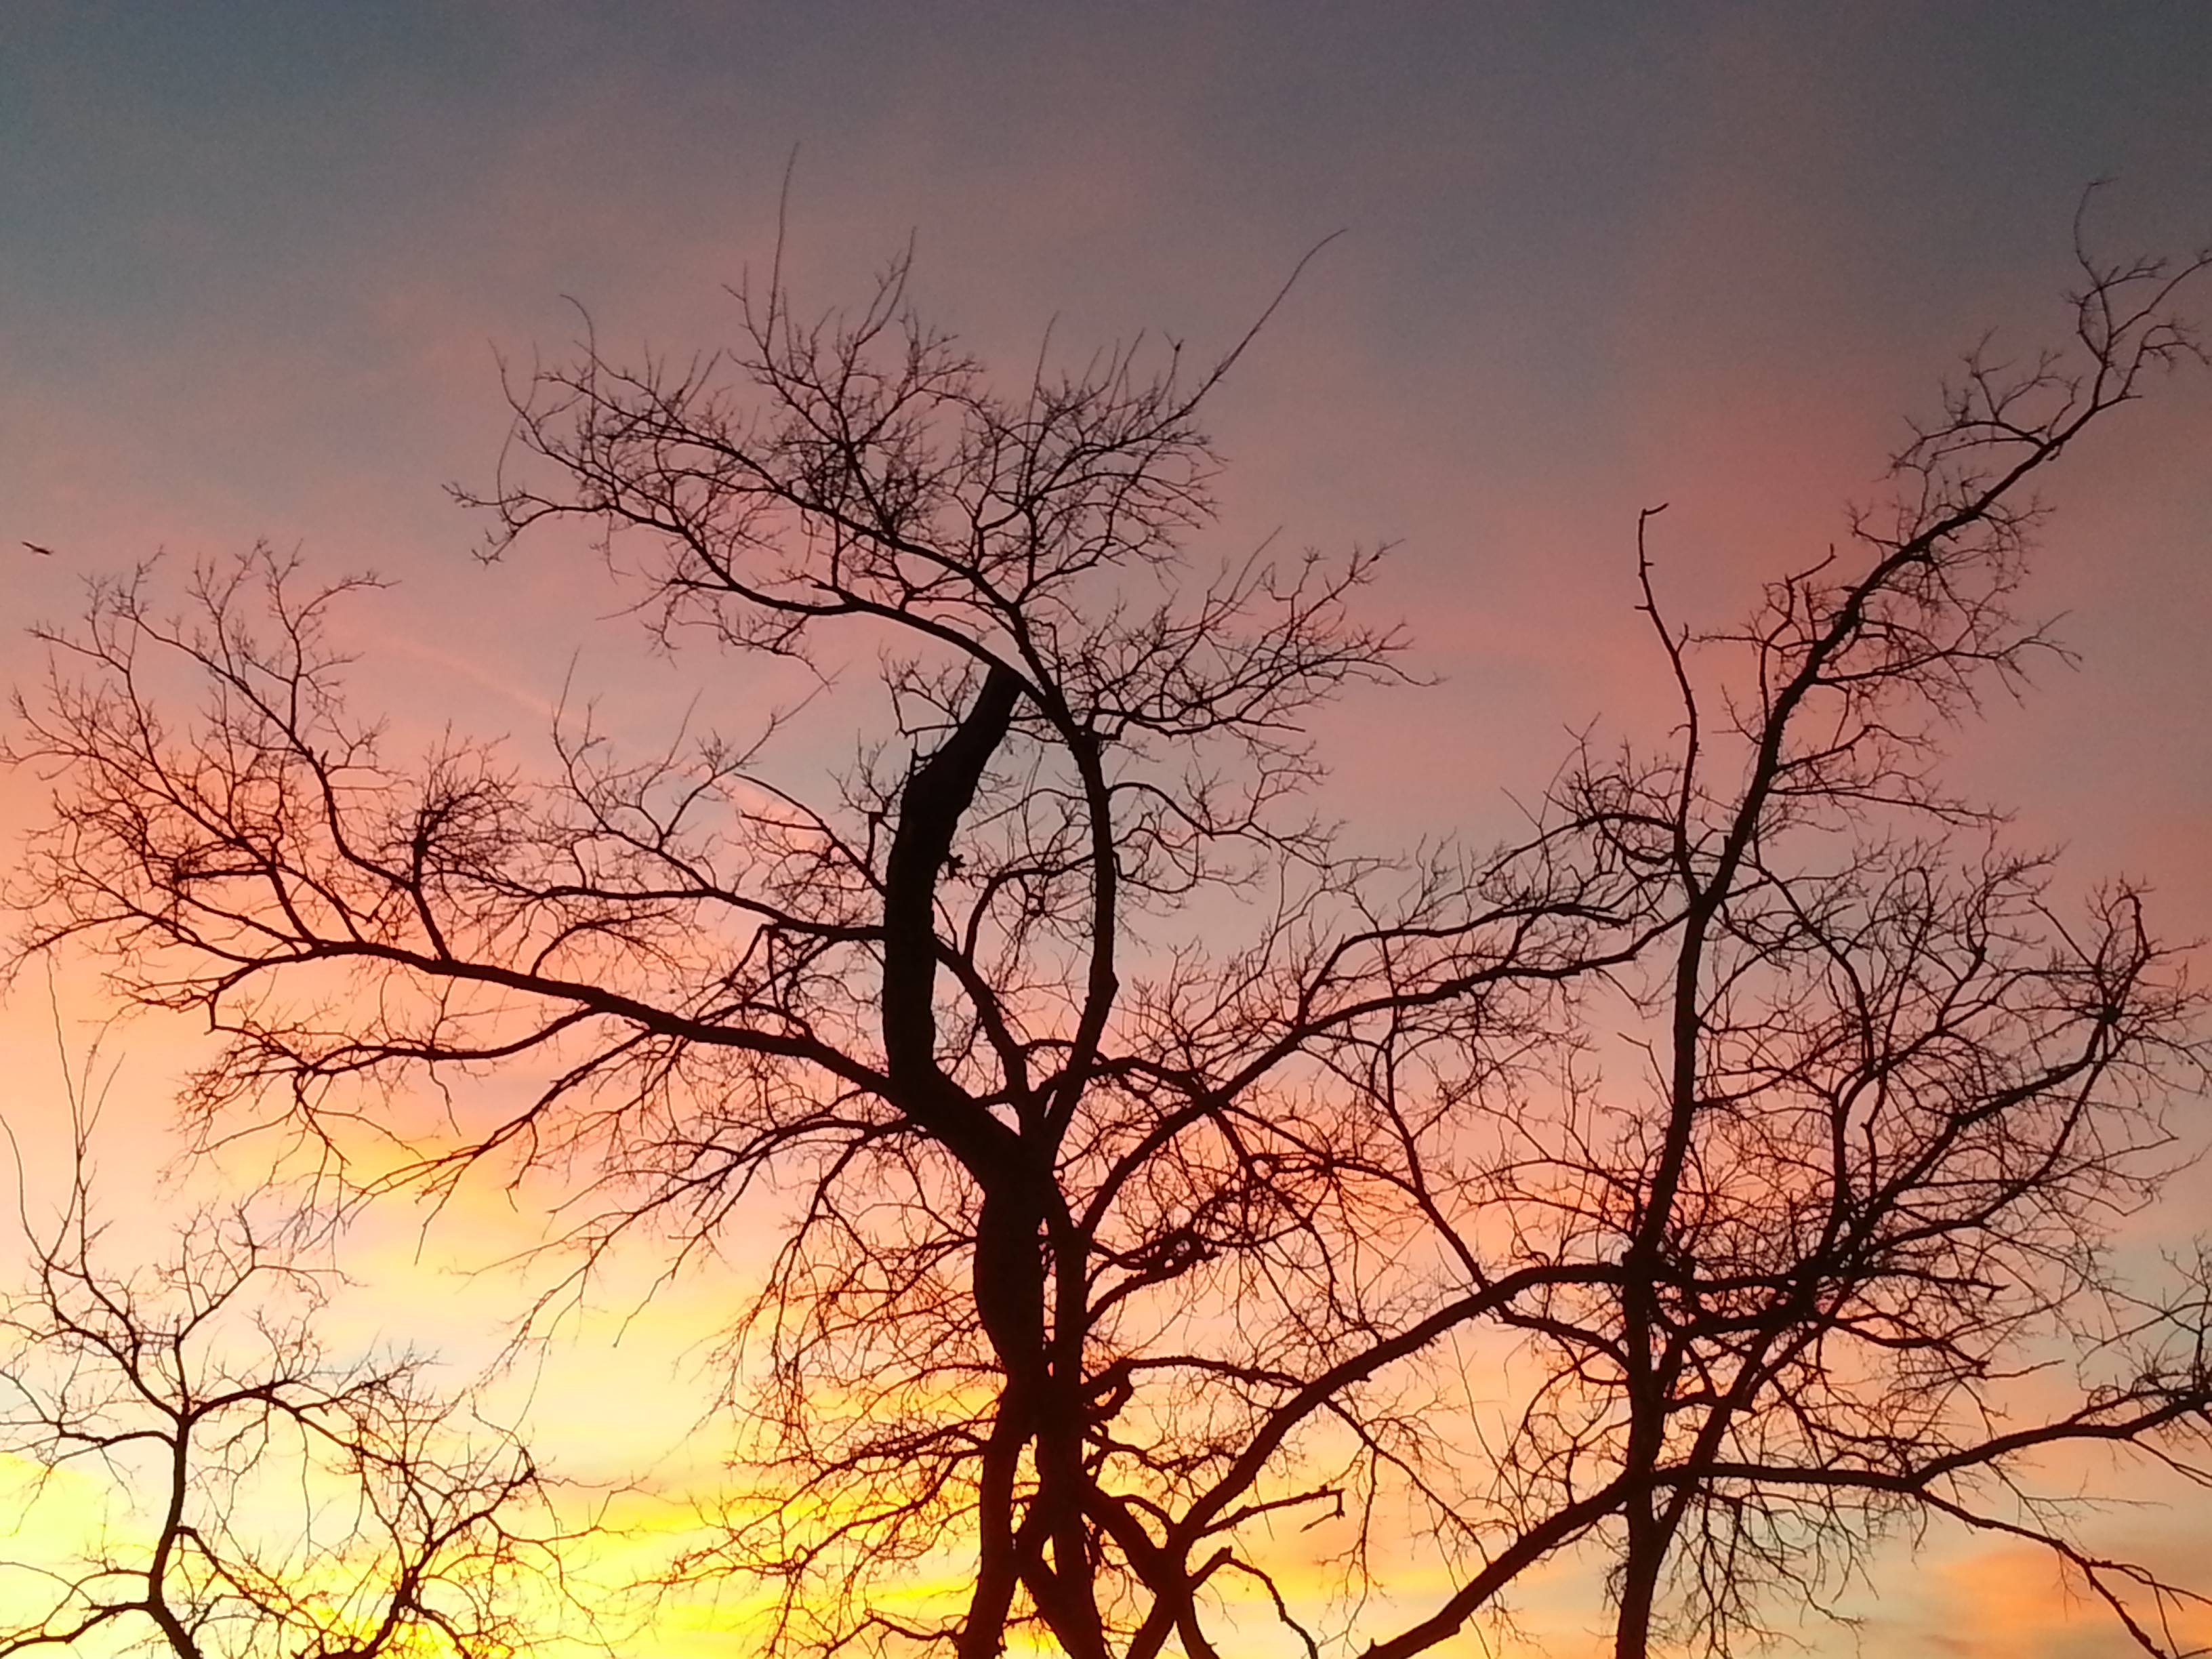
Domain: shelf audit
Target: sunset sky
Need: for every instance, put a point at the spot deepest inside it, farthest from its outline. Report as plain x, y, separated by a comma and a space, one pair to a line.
260, 266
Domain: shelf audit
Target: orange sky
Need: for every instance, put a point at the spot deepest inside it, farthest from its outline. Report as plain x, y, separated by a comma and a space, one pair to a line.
261, 261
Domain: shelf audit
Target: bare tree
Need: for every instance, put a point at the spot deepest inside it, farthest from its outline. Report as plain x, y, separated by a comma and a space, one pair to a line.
216, 1487
1080, 1239
1848, 1185
1145, 1161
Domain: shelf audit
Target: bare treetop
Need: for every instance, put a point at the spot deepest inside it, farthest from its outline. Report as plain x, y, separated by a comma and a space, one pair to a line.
256, 1498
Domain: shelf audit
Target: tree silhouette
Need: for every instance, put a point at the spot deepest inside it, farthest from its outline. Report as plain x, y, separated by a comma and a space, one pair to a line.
253, 1497
1860, 1205
1150, 1164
